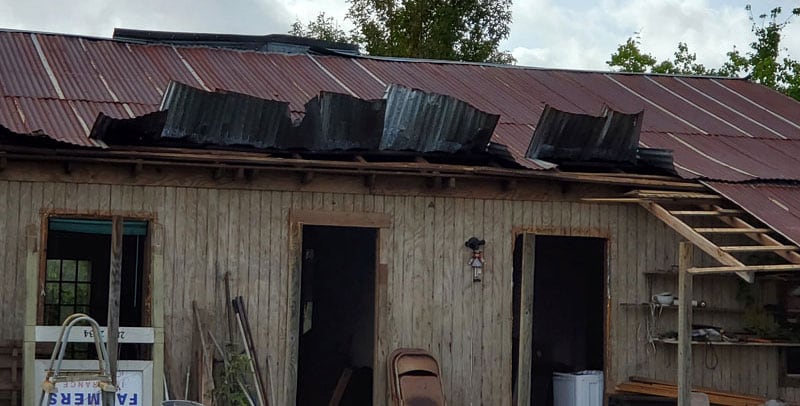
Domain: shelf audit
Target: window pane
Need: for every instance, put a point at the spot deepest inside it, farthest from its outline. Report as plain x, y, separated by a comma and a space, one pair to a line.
65, 312
51, 293
68, 270
67, 293
84, 271
53, 269
82, 294
51, 316
82, 309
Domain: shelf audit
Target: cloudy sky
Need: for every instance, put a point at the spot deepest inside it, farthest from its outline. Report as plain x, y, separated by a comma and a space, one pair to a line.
578, 34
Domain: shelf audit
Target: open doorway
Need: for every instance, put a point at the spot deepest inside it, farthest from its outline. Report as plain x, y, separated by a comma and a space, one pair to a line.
76, 278
568, 309
337, 319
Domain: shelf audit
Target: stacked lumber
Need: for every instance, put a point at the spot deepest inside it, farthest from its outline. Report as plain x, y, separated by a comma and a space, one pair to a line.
660, 388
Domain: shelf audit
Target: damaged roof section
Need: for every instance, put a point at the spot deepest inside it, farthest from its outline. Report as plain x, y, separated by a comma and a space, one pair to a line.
223, 118
429, 122
263, 43
561, 136
405, 120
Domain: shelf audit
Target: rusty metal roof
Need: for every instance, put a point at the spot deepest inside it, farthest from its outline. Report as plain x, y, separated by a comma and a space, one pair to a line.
721, 129
777, 205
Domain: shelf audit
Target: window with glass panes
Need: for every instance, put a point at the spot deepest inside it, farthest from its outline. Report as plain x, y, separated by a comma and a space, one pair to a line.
68, 289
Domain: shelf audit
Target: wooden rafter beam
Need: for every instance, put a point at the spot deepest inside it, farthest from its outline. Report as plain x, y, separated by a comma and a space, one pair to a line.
695, 238
720, 212
763, 239
214, 158
746, 268
613, 200
731, 230
671, 195
758, 248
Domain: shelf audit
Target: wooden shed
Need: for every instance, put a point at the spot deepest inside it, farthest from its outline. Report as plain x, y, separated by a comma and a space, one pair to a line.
336, 194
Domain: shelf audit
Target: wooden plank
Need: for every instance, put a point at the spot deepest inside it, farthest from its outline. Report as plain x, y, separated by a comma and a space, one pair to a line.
711, 213
341, 385
672, 392
684, 324
706, 390
291, 328
613, 200
114, 288
746, 268
698, 240
341, 219
731, 230
524, 376
672, 195
216, 159
758, 248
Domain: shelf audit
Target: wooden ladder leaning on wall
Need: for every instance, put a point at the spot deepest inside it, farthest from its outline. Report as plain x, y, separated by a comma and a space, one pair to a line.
677, 209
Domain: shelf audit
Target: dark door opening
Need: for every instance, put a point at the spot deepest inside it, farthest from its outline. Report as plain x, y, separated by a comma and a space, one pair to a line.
337, 315
568, 309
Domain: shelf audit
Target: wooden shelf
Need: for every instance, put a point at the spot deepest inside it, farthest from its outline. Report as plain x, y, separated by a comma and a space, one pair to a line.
726, 343
670, 307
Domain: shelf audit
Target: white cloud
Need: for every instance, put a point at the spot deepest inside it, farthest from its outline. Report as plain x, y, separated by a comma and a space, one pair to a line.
583, 34
100, 17
578, 34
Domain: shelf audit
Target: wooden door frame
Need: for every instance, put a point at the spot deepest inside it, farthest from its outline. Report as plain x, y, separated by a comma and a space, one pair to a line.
382, 223
153, 289
525, 357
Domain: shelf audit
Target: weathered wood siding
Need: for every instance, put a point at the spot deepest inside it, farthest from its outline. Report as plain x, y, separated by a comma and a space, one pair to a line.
432, 301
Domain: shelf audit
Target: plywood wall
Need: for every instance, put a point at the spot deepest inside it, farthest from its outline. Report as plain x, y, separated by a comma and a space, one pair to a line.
432, 301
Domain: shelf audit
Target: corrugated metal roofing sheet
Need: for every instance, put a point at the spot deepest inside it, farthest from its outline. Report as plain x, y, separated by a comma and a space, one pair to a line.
100, 75
404, 120
21, 70
778, 206
561, 136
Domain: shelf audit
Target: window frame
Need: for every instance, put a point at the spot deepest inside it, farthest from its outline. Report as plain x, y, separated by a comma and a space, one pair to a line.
147, 272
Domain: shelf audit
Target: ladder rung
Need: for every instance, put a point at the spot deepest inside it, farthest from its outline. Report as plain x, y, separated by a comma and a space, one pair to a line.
754, 248
747, 268
721, 212
731, 230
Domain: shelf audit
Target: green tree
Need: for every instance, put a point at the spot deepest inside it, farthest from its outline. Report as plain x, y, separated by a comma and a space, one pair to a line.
463, 30
323, 27
764, 61
630, 58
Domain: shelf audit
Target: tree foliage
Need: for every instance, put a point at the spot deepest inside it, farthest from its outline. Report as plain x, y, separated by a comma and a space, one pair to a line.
630, 58
765, 61
464, 30
323, 27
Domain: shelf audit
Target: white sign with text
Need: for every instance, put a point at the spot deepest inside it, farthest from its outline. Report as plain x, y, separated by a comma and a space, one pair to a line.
134, 384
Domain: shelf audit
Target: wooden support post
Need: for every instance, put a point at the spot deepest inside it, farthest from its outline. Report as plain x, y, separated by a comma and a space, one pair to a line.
307, 177
138, 167
114, 283
239, 174
685, 324
369, 180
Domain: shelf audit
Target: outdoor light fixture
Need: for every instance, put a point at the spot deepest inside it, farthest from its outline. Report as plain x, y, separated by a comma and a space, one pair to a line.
476, 261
